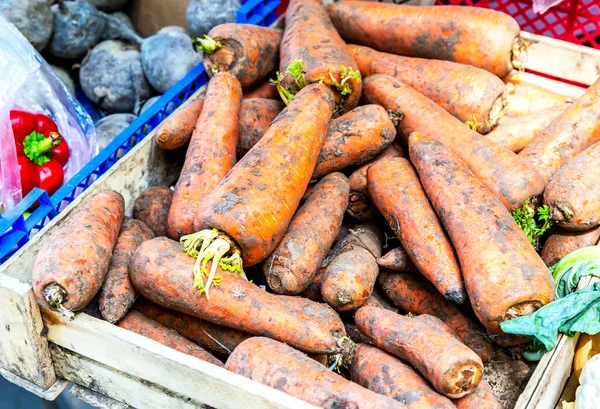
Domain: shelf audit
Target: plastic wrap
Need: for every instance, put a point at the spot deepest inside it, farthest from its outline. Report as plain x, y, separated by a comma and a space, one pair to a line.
541, 6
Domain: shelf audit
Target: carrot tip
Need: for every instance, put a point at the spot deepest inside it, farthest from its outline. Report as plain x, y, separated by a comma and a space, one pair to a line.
55, 295
343, 359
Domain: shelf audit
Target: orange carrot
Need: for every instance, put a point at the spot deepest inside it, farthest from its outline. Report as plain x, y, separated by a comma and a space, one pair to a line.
571, 133
562, 242
428, 345
397, 260
504, 276
265, 90
297, 257
480, 37
152, 208
482, 398
140, 324
256, 116
482, 94
510, 178
176, 130
525, 98
117, 295
211, 152
70, 269
395, 189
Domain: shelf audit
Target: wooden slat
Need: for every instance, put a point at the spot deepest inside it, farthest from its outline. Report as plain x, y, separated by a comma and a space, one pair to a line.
96, 399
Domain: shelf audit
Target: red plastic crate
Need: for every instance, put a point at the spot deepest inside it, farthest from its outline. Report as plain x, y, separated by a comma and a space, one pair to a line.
576, 21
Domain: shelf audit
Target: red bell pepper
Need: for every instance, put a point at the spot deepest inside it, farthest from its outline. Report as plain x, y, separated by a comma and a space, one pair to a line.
41, 151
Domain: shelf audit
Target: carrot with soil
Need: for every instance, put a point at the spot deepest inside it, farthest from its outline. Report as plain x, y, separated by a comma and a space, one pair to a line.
482, 398
426, 343
482, 94
162, 272
277, 365
414, 294
313, 51
117, 295
152, 208
246, 51
395, 189
510, 178
562, 242
70, 269
137, 322
177, 129
571, 133
387, 375
256, 116
480, 37
573, 193
504, 276
525, 98
312, 231
397, 259
211, 153
265, 90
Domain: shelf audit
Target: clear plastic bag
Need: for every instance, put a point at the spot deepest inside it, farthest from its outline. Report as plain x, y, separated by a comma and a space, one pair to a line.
541, 6
28, 83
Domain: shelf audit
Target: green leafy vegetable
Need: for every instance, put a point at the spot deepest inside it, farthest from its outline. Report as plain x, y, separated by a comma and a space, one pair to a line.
533, 227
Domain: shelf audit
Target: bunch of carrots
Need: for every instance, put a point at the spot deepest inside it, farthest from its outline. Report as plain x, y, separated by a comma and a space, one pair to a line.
313, 148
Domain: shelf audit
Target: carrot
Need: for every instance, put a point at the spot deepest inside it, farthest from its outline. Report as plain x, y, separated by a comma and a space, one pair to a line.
388, 376
161, 272
246, 51
319, 311
176, 130
360, 206
349, 278
211, 152
428, 345
252, 207
480, 37
311, 45
525, 98
70, 269
562, 242
381, 299
573, 193
515, 133
265, 90
117, 295
355, 138
397, 260
395, 189
482, 94
256, 116
152, 208
140, 324
220, 340
414, 294
277, 365
504, 276
576, 129
482, 398
312, 231
510, 178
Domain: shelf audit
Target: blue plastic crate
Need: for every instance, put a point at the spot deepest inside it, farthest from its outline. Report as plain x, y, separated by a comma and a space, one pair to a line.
16, 230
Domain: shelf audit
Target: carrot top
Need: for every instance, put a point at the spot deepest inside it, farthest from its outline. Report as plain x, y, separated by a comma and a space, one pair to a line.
343, 85
206, 44
533, 227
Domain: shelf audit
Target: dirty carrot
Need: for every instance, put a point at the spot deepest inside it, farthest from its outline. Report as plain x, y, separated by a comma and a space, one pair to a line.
573, 193
211, 153
515, 133
572, 132
504, 276
562, 242
397, 260
482, 398
356, 137
71, 265
312, 231
265, 90
256, 116
484, 38
510, 178
253, 206
137, 322
277, 365
247, 51
427, 344
482, 94
162, 272
386, 375
117, 295
395, 189
349, 278
313, 46
152, 207
176, 130
414, 294
525, 98
221, 340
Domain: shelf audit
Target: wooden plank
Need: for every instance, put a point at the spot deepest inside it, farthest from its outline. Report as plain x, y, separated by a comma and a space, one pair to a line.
23, 346
96, 399
50, 393
153, 362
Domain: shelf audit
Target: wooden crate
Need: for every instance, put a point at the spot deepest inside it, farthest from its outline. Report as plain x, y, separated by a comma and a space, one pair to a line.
39, 348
